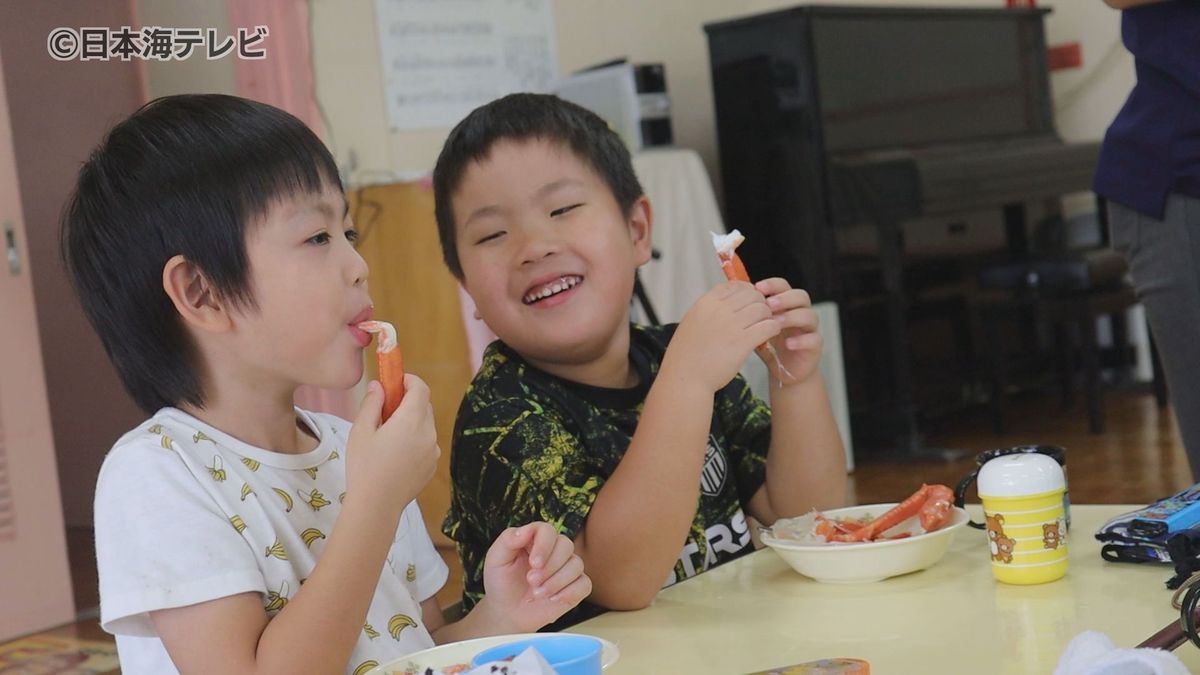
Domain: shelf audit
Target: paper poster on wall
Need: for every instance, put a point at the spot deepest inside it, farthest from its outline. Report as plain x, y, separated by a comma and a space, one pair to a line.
443, 58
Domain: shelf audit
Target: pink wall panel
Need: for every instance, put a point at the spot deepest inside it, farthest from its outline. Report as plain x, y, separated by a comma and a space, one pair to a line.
35, 583
60, 111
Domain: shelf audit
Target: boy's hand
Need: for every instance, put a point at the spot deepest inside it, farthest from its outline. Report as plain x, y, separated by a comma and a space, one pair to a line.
388, 464
798, 343
717, 334
531, 576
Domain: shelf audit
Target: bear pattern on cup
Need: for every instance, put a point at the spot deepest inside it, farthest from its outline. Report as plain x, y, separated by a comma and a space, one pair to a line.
1054, 534
1026, 536
1000, 544
1027, 541
1025, 517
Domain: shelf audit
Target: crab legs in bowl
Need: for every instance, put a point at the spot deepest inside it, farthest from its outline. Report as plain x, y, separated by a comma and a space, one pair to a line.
932, 504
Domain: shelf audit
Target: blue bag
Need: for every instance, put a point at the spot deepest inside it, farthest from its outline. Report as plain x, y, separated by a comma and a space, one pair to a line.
1143, 535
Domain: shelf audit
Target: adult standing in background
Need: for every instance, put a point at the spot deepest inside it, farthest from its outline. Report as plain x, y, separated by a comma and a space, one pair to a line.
1149, 172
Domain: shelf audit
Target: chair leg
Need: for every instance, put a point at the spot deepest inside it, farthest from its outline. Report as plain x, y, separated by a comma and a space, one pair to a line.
1064, 365
995, 368
1120, 341
1160, 380
1091, 373
963, 341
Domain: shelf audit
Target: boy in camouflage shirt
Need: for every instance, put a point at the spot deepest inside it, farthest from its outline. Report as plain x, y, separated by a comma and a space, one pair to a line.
641, 444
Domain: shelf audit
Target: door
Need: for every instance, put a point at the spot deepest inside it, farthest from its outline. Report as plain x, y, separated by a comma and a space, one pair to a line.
35, 579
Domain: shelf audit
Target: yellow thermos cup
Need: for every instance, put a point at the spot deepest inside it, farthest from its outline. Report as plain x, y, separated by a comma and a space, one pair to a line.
1022, 497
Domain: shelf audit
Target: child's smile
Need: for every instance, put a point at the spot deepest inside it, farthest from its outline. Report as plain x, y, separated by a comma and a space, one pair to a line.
554, 292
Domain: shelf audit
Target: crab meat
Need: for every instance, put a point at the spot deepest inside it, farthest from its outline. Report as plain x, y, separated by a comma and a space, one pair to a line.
385, 331
727, 243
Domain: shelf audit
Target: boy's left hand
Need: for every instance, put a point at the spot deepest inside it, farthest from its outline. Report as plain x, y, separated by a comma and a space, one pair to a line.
531, 576
798, 344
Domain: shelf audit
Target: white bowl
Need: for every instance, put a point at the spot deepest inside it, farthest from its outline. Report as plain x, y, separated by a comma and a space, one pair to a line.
868, 561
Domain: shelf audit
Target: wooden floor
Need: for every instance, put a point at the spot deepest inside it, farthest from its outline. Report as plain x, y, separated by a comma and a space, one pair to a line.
1138, 460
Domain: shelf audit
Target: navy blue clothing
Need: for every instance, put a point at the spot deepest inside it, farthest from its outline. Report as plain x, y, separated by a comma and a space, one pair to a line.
1153, 146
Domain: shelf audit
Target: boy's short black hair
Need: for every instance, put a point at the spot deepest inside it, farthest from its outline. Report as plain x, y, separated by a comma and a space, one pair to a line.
184, 175
525, 117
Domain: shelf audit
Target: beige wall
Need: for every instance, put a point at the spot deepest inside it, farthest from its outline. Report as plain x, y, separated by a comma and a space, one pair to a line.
196, 75
667, 31
1087, 99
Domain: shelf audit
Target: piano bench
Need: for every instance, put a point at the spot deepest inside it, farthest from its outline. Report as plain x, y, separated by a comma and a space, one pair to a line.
1078, 272
1070, 294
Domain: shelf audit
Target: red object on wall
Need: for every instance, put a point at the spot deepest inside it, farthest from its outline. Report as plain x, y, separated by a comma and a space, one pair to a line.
1020, 3
1060, 57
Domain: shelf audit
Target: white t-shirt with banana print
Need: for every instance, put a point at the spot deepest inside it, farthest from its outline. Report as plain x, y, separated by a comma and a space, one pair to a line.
186, 514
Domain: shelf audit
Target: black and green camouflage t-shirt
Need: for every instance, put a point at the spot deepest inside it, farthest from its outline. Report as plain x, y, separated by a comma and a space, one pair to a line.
532, 446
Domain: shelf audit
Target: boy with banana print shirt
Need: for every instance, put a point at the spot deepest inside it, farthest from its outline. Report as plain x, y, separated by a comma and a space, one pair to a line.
278, 509
210, 242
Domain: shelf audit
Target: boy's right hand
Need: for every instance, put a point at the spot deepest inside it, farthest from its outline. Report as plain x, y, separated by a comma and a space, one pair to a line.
719, 333
390, 463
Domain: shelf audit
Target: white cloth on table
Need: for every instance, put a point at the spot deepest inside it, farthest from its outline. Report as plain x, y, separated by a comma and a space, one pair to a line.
685, 212
1092, 653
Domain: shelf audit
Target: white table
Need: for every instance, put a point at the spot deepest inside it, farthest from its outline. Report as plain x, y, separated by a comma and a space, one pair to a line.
756, 613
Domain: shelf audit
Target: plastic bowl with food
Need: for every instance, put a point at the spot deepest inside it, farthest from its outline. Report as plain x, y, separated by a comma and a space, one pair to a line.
456, 656
566, 654
862, 562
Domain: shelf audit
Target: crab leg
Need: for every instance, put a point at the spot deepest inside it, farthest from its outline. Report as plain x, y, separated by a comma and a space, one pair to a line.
932, 504
391, 365
897, 514
735, 270
733, 267
938, 507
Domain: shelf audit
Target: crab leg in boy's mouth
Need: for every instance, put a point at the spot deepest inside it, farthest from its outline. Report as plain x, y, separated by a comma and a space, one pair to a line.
735, 270
391, 365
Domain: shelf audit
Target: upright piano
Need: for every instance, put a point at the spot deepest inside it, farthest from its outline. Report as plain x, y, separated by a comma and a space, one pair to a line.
829, 116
